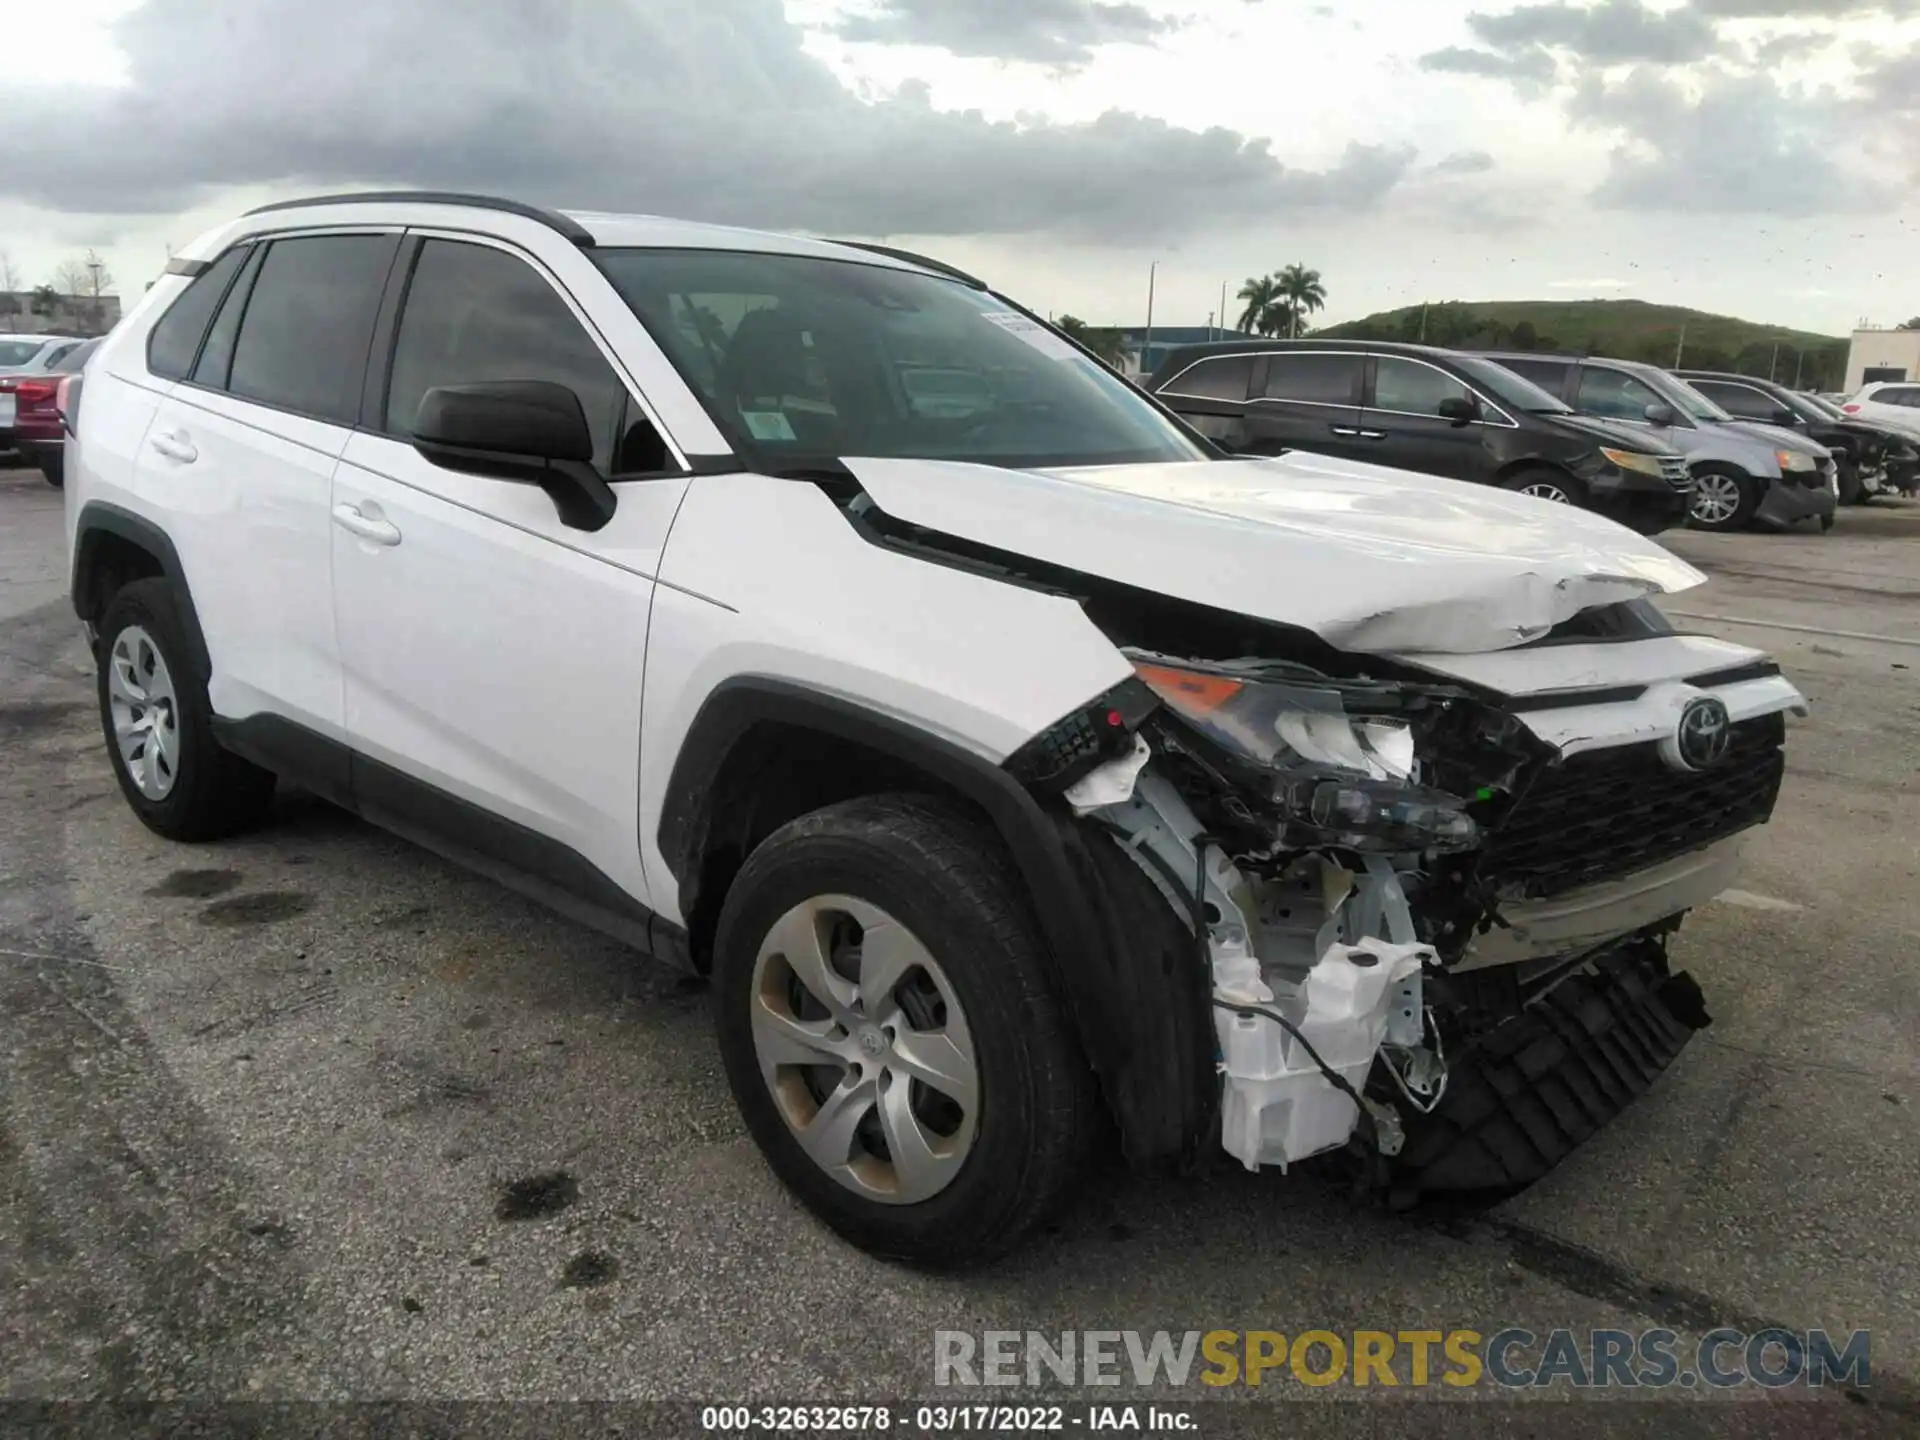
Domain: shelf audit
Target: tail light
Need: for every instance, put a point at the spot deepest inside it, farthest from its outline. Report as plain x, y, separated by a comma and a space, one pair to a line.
1849, 409
66, 402
31, 394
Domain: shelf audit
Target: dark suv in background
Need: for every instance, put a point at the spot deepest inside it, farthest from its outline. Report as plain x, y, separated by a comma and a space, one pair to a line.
1423, 409
1870, 456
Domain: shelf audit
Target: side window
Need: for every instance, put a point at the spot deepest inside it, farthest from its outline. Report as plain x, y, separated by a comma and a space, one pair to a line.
1225, 377
216, 356
55, 354
1549, 375
474, 313
1413, 388
1614, 395
176, 338
1907, 395
1741, 400
1315, 379
303, 341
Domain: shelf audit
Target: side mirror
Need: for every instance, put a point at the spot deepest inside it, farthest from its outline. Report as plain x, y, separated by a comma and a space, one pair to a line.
1790, 418
1659, 414
1459, 409
530, 431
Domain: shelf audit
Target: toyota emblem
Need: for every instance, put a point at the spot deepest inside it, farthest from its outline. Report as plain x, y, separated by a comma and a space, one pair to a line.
1703, 736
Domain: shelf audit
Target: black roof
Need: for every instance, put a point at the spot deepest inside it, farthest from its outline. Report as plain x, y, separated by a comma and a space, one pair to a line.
1264, 347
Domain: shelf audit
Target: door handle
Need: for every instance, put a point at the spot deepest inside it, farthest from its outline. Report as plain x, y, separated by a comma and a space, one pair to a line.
380, 532
175, 447
1373, 434
1346, 430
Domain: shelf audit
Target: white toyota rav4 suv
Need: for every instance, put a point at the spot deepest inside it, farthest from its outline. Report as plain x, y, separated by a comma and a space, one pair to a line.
1020, 769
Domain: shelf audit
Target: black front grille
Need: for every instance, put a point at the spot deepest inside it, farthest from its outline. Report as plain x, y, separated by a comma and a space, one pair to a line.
1673, 469
1602, 814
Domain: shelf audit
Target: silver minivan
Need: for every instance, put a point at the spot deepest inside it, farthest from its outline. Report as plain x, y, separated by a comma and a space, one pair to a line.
1744, 471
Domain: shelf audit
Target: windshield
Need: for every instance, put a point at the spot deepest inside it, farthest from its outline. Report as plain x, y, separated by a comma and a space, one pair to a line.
1684, 398
1820, 406
798, 358
1514, 391
19, 352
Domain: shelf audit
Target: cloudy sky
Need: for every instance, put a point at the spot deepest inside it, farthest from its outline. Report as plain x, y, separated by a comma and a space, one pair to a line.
1756, 157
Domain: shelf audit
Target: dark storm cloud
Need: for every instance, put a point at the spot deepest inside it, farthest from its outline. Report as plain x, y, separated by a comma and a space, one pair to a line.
1612, 32
703, 108
1052, 32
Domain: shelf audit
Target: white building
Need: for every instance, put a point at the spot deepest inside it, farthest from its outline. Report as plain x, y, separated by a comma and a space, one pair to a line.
1882, 355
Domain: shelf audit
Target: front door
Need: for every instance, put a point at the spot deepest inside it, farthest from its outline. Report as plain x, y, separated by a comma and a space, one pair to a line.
1404, 424
493, 656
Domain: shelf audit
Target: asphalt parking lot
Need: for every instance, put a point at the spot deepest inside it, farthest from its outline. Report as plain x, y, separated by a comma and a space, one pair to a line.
262, 1103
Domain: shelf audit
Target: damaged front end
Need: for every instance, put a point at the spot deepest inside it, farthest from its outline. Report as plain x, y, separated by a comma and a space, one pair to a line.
1340, 851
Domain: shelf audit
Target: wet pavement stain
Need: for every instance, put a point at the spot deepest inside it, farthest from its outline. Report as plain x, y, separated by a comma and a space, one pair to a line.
535, 1196
588, 1269
194, 885
262, 908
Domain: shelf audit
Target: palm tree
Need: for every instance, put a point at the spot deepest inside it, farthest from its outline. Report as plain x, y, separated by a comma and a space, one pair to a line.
1300, 293
1259, 292
1107, 343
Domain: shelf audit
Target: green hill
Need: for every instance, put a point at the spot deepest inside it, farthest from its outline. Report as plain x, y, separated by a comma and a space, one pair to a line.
1627, 329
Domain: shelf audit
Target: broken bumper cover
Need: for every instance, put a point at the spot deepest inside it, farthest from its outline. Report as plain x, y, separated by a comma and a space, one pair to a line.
1535, 1086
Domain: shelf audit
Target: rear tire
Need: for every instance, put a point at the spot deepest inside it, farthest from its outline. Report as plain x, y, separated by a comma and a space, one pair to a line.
1543, 482
926, 890
171, 769
53, 469
1723, 498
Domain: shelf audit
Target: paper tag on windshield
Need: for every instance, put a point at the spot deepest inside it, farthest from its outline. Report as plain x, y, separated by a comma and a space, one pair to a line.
767, 425
1034, 333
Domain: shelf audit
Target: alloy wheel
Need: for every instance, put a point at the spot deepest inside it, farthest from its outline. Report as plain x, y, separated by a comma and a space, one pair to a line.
146, 712
865, 1049
1547, 490
1715, 498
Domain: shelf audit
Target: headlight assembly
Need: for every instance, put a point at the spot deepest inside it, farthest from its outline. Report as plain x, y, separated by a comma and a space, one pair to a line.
1797, 461
1633, 460
1333, 775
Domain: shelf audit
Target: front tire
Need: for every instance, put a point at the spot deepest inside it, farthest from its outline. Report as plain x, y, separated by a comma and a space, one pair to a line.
159, 726
1723, 498
1545, 483
889, 1034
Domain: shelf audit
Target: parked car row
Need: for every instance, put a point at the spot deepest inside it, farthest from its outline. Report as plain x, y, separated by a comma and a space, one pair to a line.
1647, 447
33, 400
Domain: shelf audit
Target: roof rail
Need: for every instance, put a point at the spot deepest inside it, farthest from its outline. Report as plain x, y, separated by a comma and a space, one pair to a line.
572, 229
939, 266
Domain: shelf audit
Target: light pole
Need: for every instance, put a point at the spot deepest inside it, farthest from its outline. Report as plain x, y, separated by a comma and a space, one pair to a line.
1146, 346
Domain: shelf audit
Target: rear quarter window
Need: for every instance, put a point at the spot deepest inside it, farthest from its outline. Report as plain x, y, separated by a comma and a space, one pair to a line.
1223, 377
175, 340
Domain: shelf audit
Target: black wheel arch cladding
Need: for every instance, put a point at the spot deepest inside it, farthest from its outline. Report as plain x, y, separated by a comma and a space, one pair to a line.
100, 520
1137, 1004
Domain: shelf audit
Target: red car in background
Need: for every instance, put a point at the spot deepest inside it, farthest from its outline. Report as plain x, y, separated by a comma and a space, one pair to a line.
39, 411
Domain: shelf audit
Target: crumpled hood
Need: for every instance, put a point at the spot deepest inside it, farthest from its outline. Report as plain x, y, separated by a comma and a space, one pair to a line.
1369, 558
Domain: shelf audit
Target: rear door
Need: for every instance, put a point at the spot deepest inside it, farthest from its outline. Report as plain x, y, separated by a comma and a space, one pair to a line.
1307, 400
1211, 395
240, 458
1404, 428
